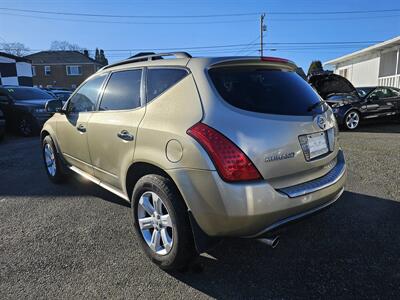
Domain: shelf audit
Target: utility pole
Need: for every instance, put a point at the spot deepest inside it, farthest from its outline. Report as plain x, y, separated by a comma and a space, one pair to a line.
262, 29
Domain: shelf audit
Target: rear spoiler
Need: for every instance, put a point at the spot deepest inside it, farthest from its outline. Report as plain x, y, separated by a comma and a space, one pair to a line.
270, 61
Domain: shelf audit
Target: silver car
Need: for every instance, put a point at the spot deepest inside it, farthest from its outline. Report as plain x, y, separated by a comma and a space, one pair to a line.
203, 148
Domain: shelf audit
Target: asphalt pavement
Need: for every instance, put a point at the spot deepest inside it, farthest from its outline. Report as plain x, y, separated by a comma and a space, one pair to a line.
75, 240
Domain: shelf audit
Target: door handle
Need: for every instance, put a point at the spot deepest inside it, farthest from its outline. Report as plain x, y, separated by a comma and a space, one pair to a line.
81, 128
125, 135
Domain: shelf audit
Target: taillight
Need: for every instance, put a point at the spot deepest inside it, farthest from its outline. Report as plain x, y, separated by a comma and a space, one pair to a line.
231, 163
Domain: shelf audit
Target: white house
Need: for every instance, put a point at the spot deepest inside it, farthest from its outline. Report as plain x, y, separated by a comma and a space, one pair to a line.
374, 65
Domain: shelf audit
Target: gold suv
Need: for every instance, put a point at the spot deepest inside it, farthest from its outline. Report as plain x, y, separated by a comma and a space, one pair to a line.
203, 148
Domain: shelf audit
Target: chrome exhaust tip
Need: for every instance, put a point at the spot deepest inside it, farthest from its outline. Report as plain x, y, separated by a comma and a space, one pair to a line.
272, 242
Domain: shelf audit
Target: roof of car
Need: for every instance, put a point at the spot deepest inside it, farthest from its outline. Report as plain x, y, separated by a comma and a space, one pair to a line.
182, 59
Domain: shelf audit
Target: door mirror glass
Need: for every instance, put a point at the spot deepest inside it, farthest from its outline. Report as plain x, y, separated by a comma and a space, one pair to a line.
373, 98
53, 106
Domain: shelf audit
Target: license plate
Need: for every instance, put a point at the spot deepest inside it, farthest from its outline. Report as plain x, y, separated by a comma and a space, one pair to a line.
317, 144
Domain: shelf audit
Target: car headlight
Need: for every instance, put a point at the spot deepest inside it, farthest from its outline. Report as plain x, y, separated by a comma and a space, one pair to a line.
39, 110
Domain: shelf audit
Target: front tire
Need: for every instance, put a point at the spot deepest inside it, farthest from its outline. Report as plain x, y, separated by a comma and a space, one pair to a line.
52, 162
28, 126
352, 120
162, 223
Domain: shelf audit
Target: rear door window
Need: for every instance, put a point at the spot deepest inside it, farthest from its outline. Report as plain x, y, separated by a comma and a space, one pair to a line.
122, 91
263, 90
159, 80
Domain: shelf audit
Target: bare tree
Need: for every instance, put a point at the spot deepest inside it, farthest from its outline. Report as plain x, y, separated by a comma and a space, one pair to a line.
64, 45
17, 49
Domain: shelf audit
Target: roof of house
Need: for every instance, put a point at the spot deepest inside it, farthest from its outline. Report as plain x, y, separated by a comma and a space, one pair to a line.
386, 44
60, 57
16, 58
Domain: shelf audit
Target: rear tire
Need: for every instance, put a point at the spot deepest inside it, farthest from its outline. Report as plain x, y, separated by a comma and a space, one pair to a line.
52, 163
162, 223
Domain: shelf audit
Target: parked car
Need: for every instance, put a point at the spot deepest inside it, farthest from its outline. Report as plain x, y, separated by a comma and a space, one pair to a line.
62, 94
351, 105
2, 125
24, 108
202, 147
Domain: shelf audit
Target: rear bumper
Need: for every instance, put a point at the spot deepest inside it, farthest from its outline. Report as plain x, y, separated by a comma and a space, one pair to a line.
251, 209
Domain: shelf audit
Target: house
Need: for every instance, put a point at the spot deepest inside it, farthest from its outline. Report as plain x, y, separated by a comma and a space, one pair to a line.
15, 70
66, 69
374, 65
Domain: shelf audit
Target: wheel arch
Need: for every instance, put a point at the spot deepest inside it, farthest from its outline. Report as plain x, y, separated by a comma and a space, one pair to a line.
139, 169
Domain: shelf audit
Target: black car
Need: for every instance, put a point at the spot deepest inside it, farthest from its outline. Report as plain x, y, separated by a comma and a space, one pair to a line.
350, 105
2, 125
24, 108
62, 94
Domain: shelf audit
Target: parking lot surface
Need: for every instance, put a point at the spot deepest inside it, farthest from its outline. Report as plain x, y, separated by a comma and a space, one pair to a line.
75, 240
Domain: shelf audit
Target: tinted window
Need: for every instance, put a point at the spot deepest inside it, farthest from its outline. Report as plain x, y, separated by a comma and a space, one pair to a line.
85, 98
266, 90
395, 92
381, 93
362, 92
22, 93
159, 80
122, 91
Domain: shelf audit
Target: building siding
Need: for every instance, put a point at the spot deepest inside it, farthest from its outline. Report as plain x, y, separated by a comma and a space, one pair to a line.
362, 71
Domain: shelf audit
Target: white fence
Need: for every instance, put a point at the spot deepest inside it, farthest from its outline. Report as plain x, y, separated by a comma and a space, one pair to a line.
393, 81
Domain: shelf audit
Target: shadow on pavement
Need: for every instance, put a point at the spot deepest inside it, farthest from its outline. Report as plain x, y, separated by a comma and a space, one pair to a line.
379, 126
349, 250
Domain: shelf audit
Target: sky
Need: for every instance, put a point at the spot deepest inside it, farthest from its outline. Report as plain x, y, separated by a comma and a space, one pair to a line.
300, 30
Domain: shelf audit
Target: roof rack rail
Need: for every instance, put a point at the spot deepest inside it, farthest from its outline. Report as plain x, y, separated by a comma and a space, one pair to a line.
149, 57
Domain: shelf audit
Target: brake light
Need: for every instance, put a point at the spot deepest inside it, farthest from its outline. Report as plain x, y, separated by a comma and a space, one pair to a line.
231, 163
275, 59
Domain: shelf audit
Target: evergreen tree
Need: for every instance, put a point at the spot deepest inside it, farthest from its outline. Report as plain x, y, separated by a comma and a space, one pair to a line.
315, 68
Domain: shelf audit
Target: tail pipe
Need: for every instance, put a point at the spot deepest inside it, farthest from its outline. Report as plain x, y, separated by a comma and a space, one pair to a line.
272, 242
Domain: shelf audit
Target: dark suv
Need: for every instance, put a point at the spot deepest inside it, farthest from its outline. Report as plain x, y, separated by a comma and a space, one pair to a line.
24, 108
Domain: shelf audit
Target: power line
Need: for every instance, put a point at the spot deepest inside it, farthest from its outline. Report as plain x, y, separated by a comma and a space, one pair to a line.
205, 15
127, 16
128, 22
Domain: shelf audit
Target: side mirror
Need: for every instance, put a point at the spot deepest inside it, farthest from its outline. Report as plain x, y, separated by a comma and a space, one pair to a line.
373, 98
53, 106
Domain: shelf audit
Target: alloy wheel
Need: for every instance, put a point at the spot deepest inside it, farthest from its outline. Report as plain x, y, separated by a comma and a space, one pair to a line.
25, 127
50, 159
352, 120
155, 223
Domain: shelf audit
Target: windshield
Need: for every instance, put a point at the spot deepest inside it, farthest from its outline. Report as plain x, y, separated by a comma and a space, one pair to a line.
364, 91
27, 93
265, 90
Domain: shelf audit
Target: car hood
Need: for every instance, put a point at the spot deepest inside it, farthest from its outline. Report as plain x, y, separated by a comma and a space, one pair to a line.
32, 102
327, 84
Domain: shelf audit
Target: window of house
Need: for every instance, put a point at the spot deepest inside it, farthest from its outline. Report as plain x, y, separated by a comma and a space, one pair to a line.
74, 70
387, 64
33, 71
47, 70
122, 91
85, 98
159, 80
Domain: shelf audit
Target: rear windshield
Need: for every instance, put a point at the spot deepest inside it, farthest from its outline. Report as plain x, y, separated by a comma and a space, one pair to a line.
21, 93
263, 90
